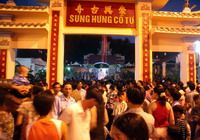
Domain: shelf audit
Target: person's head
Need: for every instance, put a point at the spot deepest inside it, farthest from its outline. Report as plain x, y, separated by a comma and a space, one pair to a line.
159, 91
35, 90
67, 89
196, 99
93, 82
175, 94
198, 87
8, 102
23, 70
43, 102
129, 126
56, 87
191, 85
179, 111
93, 98
79, 85
94, 93
112, 88
135, 95
122, 96
3, 93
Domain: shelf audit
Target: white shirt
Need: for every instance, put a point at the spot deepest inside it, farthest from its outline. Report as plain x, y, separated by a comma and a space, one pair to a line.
78, 121
149, 119
82, 93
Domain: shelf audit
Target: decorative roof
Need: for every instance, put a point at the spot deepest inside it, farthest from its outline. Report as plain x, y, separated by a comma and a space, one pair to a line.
4, 7
177, 30
21, 25
164, 14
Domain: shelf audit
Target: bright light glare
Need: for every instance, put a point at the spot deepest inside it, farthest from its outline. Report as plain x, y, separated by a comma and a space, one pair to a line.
197, 46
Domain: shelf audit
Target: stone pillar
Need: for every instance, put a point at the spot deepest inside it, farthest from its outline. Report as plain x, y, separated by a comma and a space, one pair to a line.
187, 66
143, 54
10, 68
7, 56
164, 69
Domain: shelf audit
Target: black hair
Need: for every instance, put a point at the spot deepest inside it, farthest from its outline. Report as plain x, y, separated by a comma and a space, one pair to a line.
94, 93
196, 97
112, 87
132, 125
191, 85
3, 93
54, 84
174, 92
159, 89
43, 102
179, 108
35, 90
9, 100
136, 95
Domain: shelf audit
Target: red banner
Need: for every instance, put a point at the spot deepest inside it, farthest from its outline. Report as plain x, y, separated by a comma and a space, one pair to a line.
100, 14
3, 55
54, 46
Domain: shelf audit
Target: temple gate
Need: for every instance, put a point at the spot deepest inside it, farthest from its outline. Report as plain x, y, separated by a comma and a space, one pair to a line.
39, 27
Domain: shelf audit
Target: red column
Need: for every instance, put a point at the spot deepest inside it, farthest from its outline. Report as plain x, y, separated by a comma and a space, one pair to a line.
104, 48
191, 68
3, 55
54, 47
146, 47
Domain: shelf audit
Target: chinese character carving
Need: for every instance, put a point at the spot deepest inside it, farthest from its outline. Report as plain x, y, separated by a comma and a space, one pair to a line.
145, 7
79, 9
122, 10
94, 9
108, 10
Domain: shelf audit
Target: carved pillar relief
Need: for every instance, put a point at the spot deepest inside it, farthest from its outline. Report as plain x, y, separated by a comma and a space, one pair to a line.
191, 67
3, 55
54, 46
146, 10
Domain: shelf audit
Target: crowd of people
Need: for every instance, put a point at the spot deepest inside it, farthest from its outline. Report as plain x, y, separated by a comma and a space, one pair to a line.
99, 110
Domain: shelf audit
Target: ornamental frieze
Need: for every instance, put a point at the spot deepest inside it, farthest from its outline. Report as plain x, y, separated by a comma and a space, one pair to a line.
4, 42
22, 8
145, 7
165, 14
179, 30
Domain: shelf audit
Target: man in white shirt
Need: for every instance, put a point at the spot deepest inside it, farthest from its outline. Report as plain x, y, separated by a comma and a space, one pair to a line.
78, 116
56, 87
136, 98
80, 90
63, 101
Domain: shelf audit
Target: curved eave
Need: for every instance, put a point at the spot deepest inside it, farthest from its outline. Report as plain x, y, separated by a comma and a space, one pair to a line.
165, 14
158, 4
176, 30
4, 25
24, 8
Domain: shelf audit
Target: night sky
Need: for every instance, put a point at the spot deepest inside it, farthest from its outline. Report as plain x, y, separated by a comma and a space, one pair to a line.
173, 5
24, 2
